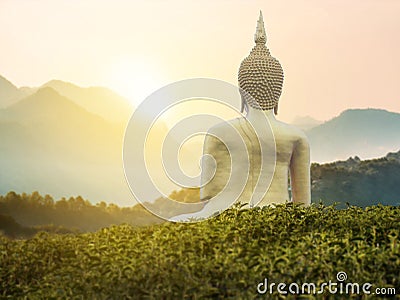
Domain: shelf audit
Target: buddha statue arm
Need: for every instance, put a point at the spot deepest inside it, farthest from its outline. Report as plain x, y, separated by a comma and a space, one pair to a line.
300, 172
215, 148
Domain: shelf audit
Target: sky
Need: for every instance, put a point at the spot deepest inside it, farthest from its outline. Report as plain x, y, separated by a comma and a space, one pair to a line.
335, 54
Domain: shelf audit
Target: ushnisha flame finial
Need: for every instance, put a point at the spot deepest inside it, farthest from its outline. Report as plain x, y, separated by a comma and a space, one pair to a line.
260, 37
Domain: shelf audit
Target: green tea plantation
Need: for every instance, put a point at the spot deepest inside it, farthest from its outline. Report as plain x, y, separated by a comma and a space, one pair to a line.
236, 255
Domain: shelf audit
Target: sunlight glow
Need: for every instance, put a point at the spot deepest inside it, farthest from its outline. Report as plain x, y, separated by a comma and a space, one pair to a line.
134, 79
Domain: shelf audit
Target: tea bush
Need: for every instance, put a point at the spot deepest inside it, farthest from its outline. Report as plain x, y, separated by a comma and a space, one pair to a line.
223, 257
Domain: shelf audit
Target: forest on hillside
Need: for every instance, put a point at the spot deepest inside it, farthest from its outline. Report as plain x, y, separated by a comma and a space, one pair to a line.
34, 212
23, 215
347, 183
357, 182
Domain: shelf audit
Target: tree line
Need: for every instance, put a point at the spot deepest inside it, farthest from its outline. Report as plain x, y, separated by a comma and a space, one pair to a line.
351, 182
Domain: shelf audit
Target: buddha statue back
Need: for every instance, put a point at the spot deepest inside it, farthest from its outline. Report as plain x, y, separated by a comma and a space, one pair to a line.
274, 151
287, 155
287, 152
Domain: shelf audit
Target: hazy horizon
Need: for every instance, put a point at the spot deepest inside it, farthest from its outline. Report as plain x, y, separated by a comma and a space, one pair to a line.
180, 111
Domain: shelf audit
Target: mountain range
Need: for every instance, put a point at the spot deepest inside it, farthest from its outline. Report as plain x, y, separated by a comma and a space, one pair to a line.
10, 94
65, 140
61, 146
51, 144
367, 133
97, 100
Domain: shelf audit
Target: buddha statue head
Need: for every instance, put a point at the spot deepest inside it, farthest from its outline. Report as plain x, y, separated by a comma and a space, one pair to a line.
260, 75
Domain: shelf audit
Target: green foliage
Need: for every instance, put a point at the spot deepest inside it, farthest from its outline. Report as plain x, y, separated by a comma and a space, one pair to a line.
11, 228
31, 213
75, 213
224, 257
361, 183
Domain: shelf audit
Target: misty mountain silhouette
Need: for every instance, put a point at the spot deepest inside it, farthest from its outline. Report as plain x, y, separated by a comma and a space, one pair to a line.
367, 133
98, 100
305, 123
53, 145
45, 103
9, 93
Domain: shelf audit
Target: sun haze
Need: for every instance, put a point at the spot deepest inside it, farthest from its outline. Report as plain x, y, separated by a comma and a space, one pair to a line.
335, 54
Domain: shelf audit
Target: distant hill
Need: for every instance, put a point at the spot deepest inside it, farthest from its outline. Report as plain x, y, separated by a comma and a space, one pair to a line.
51, 144
367, 133
305, 123
9, 93
54, 145
357, 182
45, 103
64, 140
97, 100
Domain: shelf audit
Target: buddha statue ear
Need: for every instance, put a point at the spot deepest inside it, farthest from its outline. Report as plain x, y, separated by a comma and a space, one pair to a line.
276, 109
